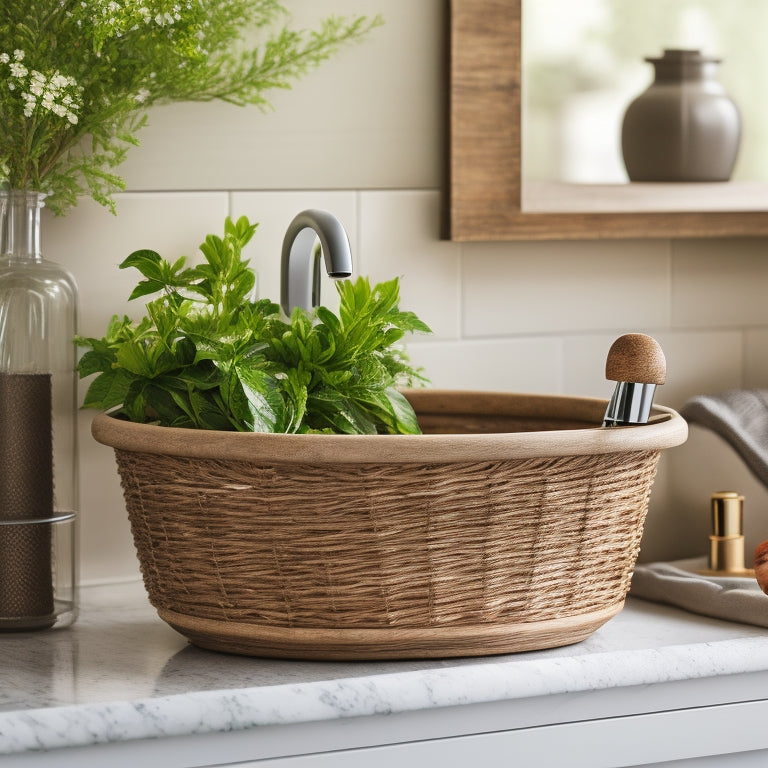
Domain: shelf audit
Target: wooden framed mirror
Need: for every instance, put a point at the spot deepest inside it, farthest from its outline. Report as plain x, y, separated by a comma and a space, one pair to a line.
487, 198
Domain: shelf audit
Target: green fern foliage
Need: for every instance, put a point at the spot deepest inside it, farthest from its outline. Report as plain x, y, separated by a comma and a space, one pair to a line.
77, 77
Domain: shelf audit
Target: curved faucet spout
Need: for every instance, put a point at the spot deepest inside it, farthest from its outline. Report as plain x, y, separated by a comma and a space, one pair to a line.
300, 286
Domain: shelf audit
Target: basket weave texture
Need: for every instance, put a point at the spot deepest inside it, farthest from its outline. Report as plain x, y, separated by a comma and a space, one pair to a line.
512, 524
388, 545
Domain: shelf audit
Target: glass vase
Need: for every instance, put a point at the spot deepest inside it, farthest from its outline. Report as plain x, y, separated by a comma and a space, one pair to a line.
38, 425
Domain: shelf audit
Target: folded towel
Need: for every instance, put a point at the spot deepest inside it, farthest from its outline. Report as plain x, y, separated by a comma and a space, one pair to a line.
740, 417
722, 597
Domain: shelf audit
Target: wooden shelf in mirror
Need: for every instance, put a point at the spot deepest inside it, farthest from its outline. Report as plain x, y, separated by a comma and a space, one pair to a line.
556, 197
486, 198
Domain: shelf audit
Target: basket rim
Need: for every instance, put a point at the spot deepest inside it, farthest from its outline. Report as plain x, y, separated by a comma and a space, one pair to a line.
666, 429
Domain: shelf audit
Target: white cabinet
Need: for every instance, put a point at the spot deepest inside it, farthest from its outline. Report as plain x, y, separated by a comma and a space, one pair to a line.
709, 737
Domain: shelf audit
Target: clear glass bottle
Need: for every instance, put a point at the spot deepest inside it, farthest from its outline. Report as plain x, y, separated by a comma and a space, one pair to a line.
38, 425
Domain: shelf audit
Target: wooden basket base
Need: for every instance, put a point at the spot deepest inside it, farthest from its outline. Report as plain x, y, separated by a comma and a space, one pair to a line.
387, 643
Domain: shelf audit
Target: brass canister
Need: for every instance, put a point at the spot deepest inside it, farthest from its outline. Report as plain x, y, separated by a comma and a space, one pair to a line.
726, 544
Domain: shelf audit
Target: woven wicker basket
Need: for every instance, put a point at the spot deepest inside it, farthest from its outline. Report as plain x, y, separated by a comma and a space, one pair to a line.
512, 524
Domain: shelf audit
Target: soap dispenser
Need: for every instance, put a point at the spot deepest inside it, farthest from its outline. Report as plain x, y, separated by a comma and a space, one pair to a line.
726, 548
636, 363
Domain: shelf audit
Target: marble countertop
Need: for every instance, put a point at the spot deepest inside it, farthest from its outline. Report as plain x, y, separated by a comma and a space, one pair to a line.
120, 674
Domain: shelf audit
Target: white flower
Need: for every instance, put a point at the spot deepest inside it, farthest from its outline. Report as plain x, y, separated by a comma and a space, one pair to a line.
18, 70
57, 93
37, 82
161, 19
4, 58
142, 95
18, 54
29, 103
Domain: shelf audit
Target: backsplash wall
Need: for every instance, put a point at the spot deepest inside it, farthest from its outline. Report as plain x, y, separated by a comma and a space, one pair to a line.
362, 138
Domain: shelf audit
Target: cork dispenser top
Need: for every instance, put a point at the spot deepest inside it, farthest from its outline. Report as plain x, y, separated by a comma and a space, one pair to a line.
636, 358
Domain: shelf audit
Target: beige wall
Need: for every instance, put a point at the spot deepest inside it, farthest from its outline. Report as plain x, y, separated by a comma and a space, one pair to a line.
363, 138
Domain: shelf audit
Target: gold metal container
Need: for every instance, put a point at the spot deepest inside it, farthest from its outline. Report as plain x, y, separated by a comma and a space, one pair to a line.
726, 544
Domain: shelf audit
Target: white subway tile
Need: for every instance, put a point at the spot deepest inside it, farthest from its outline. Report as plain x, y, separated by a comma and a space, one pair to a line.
700, 363
370, 117
503, 365
719, 283
399, 238
560, 287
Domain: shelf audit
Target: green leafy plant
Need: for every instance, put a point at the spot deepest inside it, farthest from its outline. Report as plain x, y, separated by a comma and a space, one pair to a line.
206, 356
78, 76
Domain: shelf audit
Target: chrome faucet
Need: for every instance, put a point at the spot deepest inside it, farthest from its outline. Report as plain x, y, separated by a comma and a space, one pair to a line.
298, 286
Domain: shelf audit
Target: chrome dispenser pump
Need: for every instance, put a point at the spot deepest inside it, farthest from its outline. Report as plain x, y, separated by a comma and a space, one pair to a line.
636, 363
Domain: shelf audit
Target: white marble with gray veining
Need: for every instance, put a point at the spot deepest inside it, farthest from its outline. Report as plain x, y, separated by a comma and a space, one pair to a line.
121, 674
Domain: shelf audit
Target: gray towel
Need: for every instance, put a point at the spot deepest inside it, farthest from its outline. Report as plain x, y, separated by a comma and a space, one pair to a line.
740, 417
722, 597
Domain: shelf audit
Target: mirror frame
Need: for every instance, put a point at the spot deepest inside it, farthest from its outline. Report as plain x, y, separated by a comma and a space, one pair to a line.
484, 182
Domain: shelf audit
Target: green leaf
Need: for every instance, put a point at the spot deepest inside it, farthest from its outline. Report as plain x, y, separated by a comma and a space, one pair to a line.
265, 404
294, 382
99, 358
211, 412
134, 401
108, 390
170, 407
206, 356
330, 408
160, 274
329, 320
408, 321
133, 357
405, 418
146, 288
147, 262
